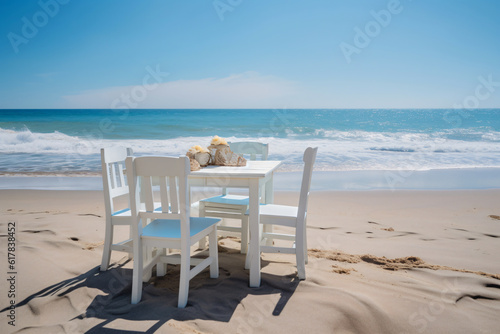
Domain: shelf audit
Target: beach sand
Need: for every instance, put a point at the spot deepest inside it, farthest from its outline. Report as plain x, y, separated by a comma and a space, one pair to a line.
379, 262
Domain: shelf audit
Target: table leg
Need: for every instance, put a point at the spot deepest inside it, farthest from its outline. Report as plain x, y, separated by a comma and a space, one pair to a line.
269, 198
254, 221
269, 189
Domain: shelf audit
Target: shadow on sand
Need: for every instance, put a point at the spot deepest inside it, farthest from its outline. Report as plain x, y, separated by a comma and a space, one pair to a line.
209, 299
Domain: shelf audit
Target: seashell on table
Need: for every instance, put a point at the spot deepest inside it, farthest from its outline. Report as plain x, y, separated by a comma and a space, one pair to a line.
203, 158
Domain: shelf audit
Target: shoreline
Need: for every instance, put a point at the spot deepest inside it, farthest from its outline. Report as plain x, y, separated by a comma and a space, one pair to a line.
434, 179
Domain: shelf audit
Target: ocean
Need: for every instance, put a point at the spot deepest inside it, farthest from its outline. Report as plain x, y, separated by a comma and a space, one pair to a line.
69, 141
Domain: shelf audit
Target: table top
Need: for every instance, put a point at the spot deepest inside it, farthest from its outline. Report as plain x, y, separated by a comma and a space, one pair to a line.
254, 168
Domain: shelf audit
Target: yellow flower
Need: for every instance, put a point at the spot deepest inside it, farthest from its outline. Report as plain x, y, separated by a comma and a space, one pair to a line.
216, 140
198, 149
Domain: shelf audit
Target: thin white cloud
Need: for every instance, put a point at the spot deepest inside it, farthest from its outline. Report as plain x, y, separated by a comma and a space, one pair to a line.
245, 90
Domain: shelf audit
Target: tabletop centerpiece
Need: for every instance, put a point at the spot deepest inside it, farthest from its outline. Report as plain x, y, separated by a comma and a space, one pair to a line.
218, 153
198, 157
222, 154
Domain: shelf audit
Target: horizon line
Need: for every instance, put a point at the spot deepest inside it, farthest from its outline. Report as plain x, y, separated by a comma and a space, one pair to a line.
131, 109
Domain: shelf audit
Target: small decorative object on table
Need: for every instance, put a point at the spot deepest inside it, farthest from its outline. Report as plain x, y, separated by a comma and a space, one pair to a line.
198, 157
218, 153
222, 154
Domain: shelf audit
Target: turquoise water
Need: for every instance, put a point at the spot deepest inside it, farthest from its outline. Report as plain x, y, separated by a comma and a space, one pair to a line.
348, 140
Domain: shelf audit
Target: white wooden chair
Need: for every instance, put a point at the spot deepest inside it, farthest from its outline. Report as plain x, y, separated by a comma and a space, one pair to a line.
233, 206
170, 228
290, 216
114, 186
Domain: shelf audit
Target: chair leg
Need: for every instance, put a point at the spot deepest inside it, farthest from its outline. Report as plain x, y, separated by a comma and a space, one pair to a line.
213, 253
131, 254
202, 244
268, 229
137, 275
299, 253
161, 268
147, 255
184, 276
248, 258
244, 234
108, 240
306, 255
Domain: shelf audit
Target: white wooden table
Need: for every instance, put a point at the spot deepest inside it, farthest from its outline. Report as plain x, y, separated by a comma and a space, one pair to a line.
255, 176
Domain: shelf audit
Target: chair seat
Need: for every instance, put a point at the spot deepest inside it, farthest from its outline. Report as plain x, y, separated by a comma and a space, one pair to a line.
278, 214
227, 199
121, 213
171, 228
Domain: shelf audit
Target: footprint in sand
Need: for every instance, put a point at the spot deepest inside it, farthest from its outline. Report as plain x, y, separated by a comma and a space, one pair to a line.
474, 297
323, 228
89, 214
39, 231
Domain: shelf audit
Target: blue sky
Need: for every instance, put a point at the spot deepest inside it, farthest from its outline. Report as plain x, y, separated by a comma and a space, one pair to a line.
250, 54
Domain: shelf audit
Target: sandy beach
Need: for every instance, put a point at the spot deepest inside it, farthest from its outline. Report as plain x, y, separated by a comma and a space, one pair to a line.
398, 100
379, 262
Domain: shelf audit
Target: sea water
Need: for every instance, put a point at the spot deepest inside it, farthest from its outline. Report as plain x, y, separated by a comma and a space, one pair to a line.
69, 141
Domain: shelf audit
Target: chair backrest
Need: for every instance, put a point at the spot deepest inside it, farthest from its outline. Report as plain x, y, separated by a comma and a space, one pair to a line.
171, 174
254, 150
113, 178
309, 158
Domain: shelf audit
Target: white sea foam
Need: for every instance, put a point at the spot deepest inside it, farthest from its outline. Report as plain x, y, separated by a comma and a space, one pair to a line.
25, 141
338, 150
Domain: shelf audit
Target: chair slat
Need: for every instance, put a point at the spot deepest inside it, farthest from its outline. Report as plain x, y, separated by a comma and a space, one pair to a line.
121, 176
147, 189
174, 199
164, 195
253, 149
113, 176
